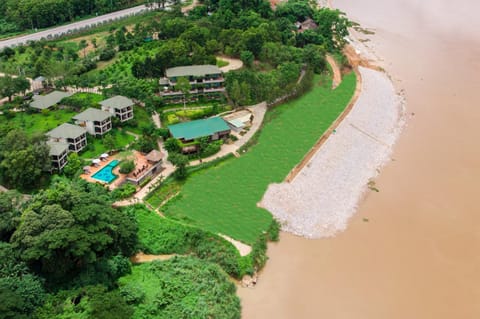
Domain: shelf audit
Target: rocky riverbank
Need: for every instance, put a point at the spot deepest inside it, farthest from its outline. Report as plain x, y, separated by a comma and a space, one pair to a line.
324, 195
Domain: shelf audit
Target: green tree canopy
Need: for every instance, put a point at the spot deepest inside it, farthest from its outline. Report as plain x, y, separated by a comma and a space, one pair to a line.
9, 213
23, 159
73, 225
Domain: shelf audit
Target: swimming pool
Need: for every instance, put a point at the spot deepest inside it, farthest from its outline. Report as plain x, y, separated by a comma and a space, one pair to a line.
105, 174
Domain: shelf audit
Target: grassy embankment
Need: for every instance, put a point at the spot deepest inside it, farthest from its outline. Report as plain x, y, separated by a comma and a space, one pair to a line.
223, 199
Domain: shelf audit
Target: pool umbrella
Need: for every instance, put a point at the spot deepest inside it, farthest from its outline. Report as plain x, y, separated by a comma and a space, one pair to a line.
96, 161
104, 155
86, 168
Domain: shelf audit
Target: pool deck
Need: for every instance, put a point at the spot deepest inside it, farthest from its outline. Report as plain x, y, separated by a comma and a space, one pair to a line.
94, 169
140, 162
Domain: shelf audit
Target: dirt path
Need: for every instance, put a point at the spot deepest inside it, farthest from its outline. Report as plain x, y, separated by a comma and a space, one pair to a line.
233, 64
143, 258
337, 75
241, 247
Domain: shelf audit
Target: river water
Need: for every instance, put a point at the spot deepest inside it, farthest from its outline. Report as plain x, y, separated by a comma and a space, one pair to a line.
413, 249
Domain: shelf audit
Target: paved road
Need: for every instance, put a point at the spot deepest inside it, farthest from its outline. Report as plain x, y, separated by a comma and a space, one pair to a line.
70, 27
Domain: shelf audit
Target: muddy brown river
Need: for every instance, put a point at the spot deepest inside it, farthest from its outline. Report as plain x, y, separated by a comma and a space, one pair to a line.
413, 249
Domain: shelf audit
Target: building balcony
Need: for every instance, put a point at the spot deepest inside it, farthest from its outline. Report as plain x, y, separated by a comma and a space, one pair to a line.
213, 80
219, 89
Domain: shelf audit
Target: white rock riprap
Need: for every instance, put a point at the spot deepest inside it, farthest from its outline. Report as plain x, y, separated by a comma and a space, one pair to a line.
324, 195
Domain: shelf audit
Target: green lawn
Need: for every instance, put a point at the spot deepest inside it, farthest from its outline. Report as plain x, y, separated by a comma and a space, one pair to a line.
221, 63
223, 199
121, 140
38, 122
82, 101
141, 119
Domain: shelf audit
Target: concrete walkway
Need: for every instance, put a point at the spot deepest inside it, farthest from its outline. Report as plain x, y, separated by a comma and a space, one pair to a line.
156, 119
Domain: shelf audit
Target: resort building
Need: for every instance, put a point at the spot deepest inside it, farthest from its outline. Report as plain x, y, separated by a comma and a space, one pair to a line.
97, 122
205, 80
42, 102
147, 166
119, 106
58, 154
215, 128
75, 136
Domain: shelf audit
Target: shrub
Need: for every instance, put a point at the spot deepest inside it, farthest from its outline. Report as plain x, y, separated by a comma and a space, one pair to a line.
127, 167
163, 236
124, 191
132, 293
106, 54
172, 145
211, 149
163, 132
145, 181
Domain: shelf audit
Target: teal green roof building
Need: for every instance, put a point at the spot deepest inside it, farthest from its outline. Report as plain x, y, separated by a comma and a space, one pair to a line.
199, 128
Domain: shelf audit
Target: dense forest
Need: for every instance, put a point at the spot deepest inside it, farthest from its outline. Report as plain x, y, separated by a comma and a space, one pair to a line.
17, 15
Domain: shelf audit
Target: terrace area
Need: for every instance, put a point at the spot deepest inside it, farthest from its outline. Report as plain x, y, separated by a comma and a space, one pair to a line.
146, 166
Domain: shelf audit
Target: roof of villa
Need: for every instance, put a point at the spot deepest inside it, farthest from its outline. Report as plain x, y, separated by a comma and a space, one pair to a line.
57, 148
42, 102
67, 130
199, 128
118, 102
92, 114
192, 70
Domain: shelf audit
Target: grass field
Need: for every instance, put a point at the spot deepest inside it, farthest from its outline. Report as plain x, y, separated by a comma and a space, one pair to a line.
121, 139
141, 118
38, 122
223, 199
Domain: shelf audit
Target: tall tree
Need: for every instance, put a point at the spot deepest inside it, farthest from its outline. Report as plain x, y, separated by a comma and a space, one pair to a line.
9, 86
183, 85
73, 225
23, 159
9, 213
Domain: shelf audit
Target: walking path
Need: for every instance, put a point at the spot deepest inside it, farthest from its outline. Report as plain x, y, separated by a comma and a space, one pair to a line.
337, 75
156, 119
142, 258
233, 64
242, 248
258, 110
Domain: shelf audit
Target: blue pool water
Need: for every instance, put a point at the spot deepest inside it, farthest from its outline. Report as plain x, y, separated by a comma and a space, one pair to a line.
105, 174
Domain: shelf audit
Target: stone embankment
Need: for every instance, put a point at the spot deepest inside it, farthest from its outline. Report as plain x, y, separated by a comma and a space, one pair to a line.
319, 201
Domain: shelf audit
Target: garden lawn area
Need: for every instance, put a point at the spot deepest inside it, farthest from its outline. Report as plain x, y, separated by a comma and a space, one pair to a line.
141, 119
221, 63
223, 199
38, 122
82, 101
121, 140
